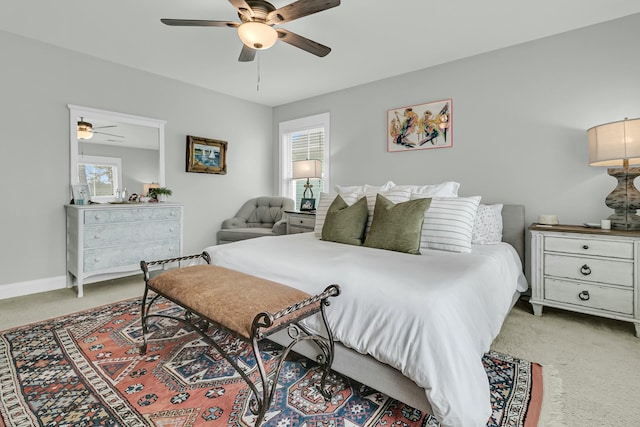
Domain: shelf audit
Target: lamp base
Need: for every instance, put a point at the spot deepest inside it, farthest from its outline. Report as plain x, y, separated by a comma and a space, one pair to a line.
624, 199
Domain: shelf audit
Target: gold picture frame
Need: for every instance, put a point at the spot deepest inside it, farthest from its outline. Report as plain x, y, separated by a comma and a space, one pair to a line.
206, 155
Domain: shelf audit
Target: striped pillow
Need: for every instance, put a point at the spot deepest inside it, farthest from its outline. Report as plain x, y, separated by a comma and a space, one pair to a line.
448, 223
323, 206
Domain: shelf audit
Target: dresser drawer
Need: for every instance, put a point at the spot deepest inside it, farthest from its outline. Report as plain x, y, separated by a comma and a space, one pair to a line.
115, 215
578, 246
119, 256
97, 236
589, 269
589, 295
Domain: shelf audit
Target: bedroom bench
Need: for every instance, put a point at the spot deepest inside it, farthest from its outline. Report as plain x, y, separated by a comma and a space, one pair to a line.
248, 307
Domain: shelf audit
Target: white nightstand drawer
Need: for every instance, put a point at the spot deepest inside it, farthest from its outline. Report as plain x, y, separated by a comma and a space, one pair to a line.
587, 295
592, 247
589, 269
302, 221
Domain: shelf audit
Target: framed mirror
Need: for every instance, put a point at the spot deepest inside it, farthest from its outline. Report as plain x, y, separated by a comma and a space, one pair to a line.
112, 152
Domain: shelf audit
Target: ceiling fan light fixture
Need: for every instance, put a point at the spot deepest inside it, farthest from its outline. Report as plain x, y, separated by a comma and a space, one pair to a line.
85, 130
257, 35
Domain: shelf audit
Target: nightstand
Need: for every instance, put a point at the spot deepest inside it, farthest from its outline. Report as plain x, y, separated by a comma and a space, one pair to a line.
587, 270
300, 222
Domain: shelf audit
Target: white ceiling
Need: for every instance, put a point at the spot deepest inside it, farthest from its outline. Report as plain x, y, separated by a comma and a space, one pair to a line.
371, 40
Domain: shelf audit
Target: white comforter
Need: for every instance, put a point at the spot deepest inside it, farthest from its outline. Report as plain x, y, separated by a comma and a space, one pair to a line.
431, 316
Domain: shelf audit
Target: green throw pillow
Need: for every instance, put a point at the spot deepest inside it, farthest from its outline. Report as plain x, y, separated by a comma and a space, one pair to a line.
397, 227
344, 223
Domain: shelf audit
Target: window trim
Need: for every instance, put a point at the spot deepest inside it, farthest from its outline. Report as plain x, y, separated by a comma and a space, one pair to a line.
288, 127
109, 161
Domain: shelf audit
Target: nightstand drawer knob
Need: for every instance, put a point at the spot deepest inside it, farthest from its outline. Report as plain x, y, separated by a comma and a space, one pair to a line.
584, 295
585, 270
585, 247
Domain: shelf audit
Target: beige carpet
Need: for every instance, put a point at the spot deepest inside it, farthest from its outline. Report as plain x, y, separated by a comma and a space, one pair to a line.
593, 364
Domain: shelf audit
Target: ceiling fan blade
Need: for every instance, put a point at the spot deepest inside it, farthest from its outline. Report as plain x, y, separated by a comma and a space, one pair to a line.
104, 127
247, 54
303, 42
243, 8
299, 9
109, 134
199, 23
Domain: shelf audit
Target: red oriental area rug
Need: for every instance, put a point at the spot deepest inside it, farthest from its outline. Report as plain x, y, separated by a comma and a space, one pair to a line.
85, 369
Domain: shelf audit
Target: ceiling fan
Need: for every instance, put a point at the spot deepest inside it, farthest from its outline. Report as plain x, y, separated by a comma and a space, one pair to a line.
86, 130
258, 18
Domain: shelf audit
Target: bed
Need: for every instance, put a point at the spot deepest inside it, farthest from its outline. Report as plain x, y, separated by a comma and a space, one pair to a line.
414, 327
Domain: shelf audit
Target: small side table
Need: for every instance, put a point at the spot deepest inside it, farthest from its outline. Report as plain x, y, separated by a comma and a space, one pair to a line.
587, 270
300, 221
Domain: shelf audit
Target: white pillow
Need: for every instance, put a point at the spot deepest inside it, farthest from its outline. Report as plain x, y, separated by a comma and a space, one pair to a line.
487, 229
448, 223
363, 188
395, 196
445, 189
323, 206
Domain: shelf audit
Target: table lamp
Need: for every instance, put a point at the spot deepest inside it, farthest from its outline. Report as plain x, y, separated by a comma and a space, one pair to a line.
618, 144
307, 169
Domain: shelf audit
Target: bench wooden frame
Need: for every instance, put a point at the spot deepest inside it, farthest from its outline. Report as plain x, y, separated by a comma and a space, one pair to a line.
264, 323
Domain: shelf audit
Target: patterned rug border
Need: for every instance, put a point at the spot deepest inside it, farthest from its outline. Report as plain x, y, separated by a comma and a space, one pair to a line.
536, 408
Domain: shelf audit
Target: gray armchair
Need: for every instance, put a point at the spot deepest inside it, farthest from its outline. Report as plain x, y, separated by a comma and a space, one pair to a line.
258, 217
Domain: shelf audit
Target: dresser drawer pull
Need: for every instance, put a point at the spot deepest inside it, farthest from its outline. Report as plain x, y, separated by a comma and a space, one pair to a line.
585, 247
585, 270
584, 295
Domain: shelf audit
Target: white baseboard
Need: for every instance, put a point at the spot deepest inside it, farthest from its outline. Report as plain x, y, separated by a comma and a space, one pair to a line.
11, 290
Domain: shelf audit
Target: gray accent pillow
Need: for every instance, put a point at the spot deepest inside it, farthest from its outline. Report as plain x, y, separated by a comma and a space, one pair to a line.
344, 223
397, 227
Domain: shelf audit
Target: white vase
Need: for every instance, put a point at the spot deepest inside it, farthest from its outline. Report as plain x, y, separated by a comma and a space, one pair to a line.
162, 197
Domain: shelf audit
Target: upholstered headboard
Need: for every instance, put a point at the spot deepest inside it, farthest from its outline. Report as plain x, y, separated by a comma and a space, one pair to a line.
513, 228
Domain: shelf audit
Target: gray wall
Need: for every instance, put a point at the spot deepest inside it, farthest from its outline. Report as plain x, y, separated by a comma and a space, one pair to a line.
520, 117
37, 81
519, 121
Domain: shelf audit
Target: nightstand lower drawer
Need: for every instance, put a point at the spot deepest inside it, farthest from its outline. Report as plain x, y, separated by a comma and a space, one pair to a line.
589, 269
587, 295
306, 221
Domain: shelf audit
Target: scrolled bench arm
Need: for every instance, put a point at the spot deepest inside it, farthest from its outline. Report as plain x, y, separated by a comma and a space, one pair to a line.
266, 320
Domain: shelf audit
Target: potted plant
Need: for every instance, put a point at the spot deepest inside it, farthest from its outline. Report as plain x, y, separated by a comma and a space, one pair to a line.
160, 193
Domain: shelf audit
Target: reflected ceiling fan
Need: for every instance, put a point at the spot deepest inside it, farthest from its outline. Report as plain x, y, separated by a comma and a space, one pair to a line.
258, 18
86, 130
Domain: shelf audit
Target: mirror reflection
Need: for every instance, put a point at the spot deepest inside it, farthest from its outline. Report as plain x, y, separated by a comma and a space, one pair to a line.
117, 155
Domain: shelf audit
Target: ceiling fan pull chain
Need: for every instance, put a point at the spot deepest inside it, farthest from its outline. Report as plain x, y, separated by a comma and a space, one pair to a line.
258, 78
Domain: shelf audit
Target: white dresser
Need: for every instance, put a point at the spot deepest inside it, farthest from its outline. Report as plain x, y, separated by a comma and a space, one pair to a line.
586, 270
109, 241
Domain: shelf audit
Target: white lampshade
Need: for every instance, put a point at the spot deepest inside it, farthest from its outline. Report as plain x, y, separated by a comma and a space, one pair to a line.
257, 35
303, 169
612, 143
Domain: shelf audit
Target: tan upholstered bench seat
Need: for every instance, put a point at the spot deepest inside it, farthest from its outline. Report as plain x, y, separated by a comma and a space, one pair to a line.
228, 297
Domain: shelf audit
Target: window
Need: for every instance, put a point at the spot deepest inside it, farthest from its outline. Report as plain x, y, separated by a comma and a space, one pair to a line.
102, 174
304, 139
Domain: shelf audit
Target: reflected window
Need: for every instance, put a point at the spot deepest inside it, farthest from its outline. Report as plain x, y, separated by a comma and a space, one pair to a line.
103, 175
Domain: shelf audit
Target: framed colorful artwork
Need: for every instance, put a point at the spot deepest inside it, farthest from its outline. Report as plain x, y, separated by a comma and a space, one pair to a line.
206, 155
420, 127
